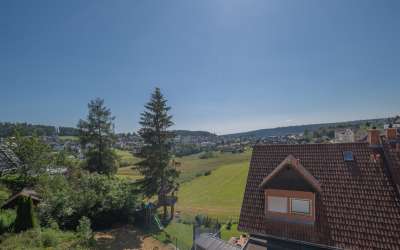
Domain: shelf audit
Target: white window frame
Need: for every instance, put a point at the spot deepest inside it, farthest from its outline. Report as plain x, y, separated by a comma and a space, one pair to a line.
282, 211
310, 206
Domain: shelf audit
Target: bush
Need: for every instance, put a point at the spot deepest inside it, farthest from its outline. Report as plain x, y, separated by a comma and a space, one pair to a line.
104, 200
13, 182
207, 173
228, 225
40, 239
25, 215
207, 155
84, 230
4, 194
7, 218
50, 238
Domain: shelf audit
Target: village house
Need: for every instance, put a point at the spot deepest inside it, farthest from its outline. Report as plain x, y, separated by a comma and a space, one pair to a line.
324, 196
344, 135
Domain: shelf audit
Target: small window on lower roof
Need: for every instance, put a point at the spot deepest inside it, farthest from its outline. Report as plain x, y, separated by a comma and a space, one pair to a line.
348, 156
300, 206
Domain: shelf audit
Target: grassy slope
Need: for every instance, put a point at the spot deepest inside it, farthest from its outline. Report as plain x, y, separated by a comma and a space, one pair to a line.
191, 166
217, 195
127, 162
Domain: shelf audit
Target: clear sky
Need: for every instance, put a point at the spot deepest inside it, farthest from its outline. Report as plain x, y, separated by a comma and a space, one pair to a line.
225, 66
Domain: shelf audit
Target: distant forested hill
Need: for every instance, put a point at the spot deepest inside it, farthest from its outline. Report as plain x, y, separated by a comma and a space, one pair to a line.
282, 131
25, 129
194, 133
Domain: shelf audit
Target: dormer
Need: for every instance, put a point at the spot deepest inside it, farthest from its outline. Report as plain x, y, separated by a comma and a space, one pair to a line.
290, 192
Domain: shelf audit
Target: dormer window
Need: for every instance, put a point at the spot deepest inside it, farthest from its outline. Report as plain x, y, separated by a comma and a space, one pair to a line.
289, 205
277, 204
290, 192
300, 206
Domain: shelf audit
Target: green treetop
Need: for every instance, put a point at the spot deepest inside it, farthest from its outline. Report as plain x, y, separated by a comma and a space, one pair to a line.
97, 136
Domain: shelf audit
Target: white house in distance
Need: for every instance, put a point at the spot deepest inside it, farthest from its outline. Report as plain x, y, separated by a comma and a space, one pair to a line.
344, 135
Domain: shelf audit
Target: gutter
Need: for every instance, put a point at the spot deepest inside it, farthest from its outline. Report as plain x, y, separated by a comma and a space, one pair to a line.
266, 236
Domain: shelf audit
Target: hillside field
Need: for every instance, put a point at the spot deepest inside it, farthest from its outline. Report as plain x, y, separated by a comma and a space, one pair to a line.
191, 166
217, 195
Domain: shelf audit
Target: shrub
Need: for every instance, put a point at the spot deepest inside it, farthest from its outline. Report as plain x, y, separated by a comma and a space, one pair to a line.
41, 239
84, 228
7, 218
50, 238
4, 194
53, 224
104, 200
25, 215
228, 225
207, 173
84, 231
207, 155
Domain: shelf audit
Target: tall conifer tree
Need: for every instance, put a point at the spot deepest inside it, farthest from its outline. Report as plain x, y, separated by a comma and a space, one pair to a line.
97, 136
159, 173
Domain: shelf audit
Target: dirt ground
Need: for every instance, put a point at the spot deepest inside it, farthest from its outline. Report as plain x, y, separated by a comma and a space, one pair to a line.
127, 238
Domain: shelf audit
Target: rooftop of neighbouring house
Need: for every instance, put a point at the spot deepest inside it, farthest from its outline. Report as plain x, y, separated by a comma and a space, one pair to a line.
209, 242
357, 206
8, 160
26, 192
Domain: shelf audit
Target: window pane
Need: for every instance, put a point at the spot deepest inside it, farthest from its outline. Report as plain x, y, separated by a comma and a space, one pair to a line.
301, 206
277, 204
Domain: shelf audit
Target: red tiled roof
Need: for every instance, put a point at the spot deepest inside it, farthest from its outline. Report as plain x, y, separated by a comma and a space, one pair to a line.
358, 206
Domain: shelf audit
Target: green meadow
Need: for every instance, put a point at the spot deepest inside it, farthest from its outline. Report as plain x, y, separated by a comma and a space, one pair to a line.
212, 187
217, 195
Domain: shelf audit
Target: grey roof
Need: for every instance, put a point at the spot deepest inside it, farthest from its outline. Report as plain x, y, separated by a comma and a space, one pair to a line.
209, 242
8, 160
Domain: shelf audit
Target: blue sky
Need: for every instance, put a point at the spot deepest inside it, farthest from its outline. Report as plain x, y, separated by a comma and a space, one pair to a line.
225, 66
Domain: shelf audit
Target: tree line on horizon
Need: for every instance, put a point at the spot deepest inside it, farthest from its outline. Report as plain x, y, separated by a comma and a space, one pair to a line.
8, 129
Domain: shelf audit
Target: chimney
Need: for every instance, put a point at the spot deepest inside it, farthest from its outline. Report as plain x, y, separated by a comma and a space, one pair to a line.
391, 133
374, 137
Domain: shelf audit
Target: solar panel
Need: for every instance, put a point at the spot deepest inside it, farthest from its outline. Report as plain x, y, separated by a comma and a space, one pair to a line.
348, 156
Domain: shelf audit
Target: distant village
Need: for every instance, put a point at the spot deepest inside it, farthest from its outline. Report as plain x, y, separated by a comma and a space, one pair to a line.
191, 142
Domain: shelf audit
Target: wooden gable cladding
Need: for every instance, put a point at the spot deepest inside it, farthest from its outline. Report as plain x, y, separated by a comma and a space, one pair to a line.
290, 174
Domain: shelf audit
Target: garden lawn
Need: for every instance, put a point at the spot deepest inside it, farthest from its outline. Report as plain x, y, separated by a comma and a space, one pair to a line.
179, 233
228, 234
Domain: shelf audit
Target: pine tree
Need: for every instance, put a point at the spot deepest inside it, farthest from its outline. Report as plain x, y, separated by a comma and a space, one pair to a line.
159, 173
25, 215
96, 136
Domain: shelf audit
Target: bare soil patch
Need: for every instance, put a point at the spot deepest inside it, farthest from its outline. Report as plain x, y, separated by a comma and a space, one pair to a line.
127, 238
